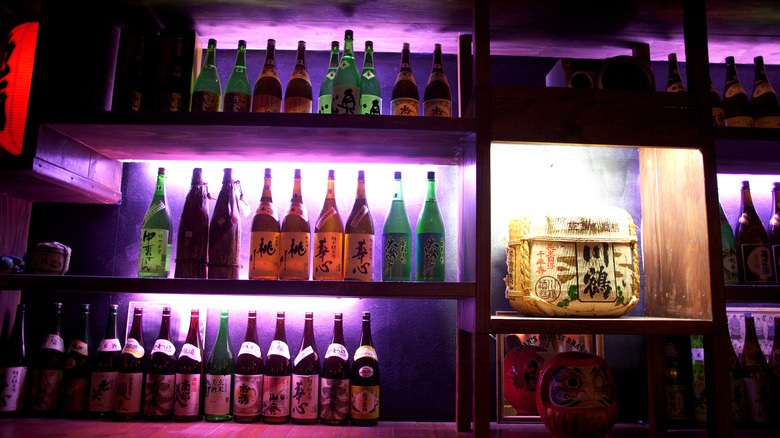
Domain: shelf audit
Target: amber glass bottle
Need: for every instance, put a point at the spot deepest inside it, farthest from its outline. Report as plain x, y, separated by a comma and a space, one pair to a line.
405, 98
437, 99
328, 245
306, 377
267, 97
294, 241
297, 95
359, 237
264, 238
736, 103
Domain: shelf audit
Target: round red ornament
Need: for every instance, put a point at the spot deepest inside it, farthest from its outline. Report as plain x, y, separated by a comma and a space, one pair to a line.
521, 374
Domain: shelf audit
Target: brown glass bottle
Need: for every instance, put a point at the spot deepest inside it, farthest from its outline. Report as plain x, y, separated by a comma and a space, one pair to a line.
674, 82
297, 95
77, 369
738, 397
295, 236
267, 97
264, 237
248, 386
13, 369
160, 378
753, 255
758, 385
405, 98
306, 377
674, 387
773, 231
718, 114
328, 245
359, 237
189, 374
193, 237
437, 98
764, 102
133, 363
277, 377
105, 367
334, 382
364, 380
736, 103
47, 377
225, 230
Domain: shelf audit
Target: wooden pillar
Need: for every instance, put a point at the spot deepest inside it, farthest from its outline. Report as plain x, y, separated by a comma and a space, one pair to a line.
14, 227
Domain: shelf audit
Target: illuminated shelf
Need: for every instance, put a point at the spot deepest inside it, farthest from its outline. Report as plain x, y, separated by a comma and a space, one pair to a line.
752, 294
629, 325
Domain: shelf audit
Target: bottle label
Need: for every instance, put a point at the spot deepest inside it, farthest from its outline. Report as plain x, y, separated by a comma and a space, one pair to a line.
730, 269
404, 106
738, 401
76, 395
171, 102
12, 388
396, 263
297, 105
236, 103
248, 395
158, 400
186, 395
279, 348
102, 390
264, 255
334, 399
155, 252
370, 104
218, 389
80, 347
345, 99
164, 346
358, 256
699, 400
740, 121
328, 249
264, 103
46, 389
276, 396
303, 354
109, 345
305, 390
294, 262
733, 90
430, 257
758, 263
325, 216
337, 350
437, 108
133, 348
53, 342
324, 103
205, 101
768, 122
366, 372
697, 354
250, 348
129, 393
762, 88
718, 117
191, 351
365, 402
759, 406
675, 402
365, 351
359, 216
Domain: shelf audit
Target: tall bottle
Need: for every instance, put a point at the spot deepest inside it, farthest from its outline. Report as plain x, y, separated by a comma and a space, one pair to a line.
105, 369
173, 91
328, 245
674, 386
697, 369
334, 382
219, 375
728, 249
225, 230
346, 84
294, 237
133, 363
773, 232
326, 87
429, 246
753, 255
758, 386
364, 380
161, 376
406, 98
736, 104
437, 99
264, 250
764, 102
248, 382
297, 95
134, 82
189, 374
268, 88
738, 398
77, 368
359, 237
207, 91
13, 369
718, 114
238, 91
192, 244
306, 377
370, 90
397, 239
277, 377
47, 377
774, 366
156, 237
674, 82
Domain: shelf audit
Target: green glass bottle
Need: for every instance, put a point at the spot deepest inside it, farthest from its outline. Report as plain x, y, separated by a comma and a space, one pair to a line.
437, 99
105, 367
297, 95
219, 375
238, 92
158, 396
248, 381
359, 237
697, 368
47, 377
306, 377
429, 245
370, 90
156, 236
326, 88
268, 88
76, 375
346, 84
328, 245
189, 374
277, 377
13, 369
397, 239
132, 367
736, 104
207, 92
364, 380
406, 97
334, 384
729, 250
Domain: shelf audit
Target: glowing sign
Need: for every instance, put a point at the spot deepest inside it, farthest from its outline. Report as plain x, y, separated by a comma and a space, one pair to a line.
15, 79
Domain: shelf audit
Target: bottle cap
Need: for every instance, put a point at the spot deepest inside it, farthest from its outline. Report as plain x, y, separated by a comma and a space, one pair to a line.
745, 184
301, 43
437, 47
361, 174
197, 175
166, 310
241, 43
369, 44
366, 315
431, 175
161, 171
85, 307
397, 175
212, 42
267, 172
228, 175
331, 174
758, 60
348, 34
406, 46
729, 60
297, 173
280, 314
334, 44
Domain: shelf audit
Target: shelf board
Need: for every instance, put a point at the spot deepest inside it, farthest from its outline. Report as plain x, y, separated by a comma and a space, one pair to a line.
748, 150
752, 294
269, 137
630, 325
387, 289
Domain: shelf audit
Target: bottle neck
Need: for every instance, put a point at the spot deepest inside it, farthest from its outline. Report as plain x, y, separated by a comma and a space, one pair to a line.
731, 74
405, 62
300, 61
437, 62
16, 339
776, 204
750, 332
747, 199
365, 336
251, 329
135, 329
159, 190
279, 334
674, 71
760, 72
368, 60
211, 57
348, 51
111, 326
338, 332
399, 192
193, 335
165, 327
84, 327
430, 196
296, 196
270, 52
223, 337
308, 333
361, 190
331, 193
334, 58
55, 325
241, 57
266, 196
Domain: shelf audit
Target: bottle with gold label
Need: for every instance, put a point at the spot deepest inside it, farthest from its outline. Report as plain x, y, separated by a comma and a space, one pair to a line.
76, 373
328, 245
268, 88
334, 382
47, 377
773, 231
294, 237
758, 386
207, 91
277, 377
192, 244
238, 92
753, 255
158, 397
364, 380
132, 368
437, 99
306, 377
370, 90
264, 239
346, 84
297, 95
105, 366
156, 237
406, 98
359, 237
13, 369
189, 374
736, 104
764, 101
674, 82
326, 87
248, 381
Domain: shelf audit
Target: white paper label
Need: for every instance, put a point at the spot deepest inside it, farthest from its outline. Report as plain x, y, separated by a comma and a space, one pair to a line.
276, 396
129, 393
79, 347
110, 345
191, 351
164, 346
279, 348
218, 388
334, 399
302, 354
325, 216
102, 390
134, 348
365, 351
250, 348
248, 395
305, 390
158, 400
12, 388
186, 396
337, 350
54, 342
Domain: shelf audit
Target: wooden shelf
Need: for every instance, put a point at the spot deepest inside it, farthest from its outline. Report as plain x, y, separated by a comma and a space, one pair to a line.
748, 150
629, 325
752, 294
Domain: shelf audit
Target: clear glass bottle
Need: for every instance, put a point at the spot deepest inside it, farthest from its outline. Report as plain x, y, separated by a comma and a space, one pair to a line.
156, 236
674, 82
225, 230
192, 244
334, 382
729, 250
77, 368
248, 381
429, 244
326, 87
294, 237
238, 91
346, 84
359, 237
133, 362
268, 88
13, 369
189, 374
397, 239
264, 247
161, 375
437, 99
753, 255
207, 91
298, 95
219, 375
736, 104
370, 90
364, 380
758, 382
406, 98
105, 368
49, 366
328, 245
306, 377
277, 377
764, 102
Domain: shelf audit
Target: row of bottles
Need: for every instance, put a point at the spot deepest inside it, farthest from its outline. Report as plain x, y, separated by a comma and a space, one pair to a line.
128, 382
761, 109
289, 248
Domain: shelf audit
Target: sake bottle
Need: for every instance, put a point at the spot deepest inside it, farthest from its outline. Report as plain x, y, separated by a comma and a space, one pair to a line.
359, 237
437, 99
238, 92
753, 255
764, 102
773, 232
674, 82
219, 375
277, 377
736, 104
156, 237
758, 386
268, 88
364, 380
370, 90
264, 238
328, 245
47, 377
429, 245
189, 374
306, 377
774, 365
207, 91
406, 98
105, 370
674, 386
728, 249
326, 87
248, 382
13, 369
334, 381
397, 239
173, 91
77, 368
132, 367
192, 244
225, 230
699, 381
297, 95
737, 384
161, 375
294, 237
346, 84
135, 82
718, 114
